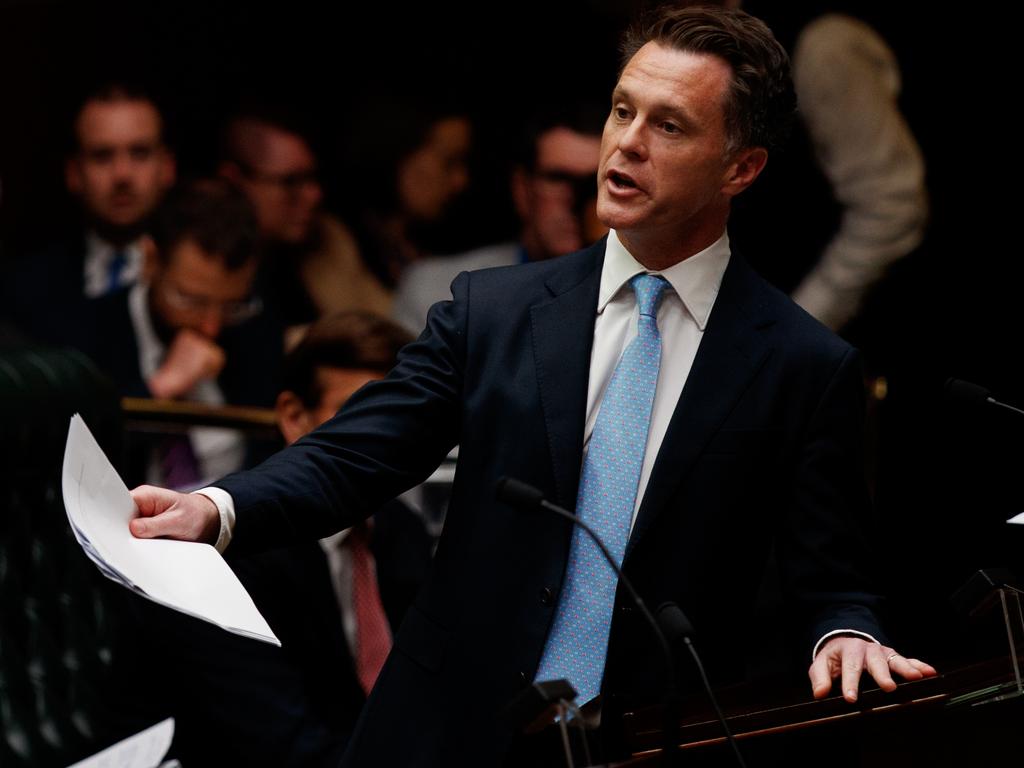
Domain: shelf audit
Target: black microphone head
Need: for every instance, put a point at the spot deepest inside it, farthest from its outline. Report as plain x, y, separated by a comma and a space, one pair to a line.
674, 623
518, 494
959, 389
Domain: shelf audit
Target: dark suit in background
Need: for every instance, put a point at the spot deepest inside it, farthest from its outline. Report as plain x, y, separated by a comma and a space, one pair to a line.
41, 293
240, 702
763, 449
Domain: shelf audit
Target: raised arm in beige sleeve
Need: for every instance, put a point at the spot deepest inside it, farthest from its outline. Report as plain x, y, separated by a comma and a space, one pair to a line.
847, 81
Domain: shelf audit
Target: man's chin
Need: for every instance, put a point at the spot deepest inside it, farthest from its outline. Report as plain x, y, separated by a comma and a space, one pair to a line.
618, 216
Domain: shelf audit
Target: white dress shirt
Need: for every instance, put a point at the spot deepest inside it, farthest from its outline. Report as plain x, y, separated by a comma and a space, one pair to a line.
99, 255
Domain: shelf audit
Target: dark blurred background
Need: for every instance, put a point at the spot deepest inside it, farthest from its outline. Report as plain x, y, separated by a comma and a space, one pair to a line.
948, 475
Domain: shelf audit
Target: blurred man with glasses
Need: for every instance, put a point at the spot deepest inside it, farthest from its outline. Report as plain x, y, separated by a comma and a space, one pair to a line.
554, 190
193, 329
312, 266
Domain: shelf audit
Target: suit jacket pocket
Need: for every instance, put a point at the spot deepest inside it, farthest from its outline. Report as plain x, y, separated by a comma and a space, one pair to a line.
422, 640
743, 441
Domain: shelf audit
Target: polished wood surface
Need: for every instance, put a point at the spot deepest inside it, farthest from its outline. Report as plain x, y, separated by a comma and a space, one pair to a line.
143, 414
967, 714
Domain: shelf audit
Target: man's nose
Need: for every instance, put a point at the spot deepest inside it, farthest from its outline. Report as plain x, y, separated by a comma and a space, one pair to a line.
211, 322
123, 166
632, 140
312, 192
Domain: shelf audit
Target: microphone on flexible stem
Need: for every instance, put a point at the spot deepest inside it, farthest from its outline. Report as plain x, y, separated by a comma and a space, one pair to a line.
678, 628
525, 497
974, 393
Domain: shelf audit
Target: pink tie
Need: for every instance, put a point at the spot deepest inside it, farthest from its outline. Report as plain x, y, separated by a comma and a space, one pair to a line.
373, 635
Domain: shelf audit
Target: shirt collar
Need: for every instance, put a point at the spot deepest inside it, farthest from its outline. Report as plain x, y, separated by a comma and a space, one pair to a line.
695, 280
151, 349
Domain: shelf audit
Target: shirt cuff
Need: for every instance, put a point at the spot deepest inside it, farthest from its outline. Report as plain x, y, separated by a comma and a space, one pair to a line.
226, 509
825, 637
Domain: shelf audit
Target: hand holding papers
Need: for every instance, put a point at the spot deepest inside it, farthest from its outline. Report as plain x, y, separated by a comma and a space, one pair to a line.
188, 577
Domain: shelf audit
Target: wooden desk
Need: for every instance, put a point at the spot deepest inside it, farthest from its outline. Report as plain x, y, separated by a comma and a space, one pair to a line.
939, 721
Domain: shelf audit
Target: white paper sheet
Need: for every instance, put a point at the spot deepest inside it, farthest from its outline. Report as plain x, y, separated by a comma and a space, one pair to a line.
188, 577
143, 750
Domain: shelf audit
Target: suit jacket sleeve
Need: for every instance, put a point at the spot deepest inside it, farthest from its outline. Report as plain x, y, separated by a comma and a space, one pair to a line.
825, 552
387, 438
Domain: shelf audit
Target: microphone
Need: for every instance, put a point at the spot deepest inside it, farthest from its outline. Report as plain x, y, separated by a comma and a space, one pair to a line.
958, 389
678, 628
525, 497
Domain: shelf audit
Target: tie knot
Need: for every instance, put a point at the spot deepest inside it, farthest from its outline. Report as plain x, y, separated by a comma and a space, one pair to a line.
648, 290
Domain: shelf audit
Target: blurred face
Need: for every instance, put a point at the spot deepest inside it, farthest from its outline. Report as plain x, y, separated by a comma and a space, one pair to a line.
281, 183
336, 386
194, 290
556, 200
435, 173
666, 177
121, 169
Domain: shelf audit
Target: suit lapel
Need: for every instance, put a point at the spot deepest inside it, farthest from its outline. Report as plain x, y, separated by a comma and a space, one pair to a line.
563, 335
732, 351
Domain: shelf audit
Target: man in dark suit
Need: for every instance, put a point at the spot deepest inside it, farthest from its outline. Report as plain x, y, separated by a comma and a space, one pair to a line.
118, 171
750, 437
192, 328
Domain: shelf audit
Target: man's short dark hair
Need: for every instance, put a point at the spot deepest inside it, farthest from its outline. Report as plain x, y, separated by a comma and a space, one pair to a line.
212, 214
586, 118
761, 104
252, 113
111, 92
347, 340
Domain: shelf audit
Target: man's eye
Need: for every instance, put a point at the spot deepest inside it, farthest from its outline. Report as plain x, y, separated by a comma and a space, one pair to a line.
670, 128
621, 113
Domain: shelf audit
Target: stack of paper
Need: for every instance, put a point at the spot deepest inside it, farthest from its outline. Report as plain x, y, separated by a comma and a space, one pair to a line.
188, 577
143, 750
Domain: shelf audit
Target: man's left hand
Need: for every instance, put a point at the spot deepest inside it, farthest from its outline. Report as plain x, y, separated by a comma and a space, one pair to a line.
848, 657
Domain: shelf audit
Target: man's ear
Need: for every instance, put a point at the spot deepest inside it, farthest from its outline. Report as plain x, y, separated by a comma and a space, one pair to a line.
744, 167
521, 192
292, 416
230, 171
73, 175
168, 169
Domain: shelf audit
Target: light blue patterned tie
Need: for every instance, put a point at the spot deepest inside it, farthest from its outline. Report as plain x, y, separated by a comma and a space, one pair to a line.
578, 642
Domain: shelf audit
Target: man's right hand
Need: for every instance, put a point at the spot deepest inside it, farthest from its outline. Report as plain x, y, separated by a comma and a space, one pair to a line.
190, 359
172, 515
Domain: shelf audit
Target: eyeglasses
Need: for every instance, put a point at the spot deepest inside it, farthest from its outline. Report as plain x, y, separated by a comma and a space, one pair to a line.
291, 183
231, 312
582, 186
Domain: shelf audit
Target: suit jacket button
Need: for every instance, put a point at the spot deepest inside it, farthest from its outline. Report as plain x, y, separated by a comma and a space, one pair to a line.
547, 597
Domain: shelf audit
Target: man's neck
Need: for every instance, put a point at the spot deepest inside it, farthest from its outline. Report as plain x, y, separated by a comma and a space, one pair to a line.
657, 252
118, 237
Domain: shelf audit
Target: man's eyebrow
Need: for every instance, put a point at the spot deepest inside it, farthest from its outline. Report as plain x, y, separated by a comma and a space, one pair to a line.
658, 108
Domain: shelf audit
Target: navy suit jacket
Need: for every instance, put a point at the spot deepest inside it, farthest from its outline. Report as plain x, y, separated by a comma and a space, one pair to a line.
41, 292
763, 449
